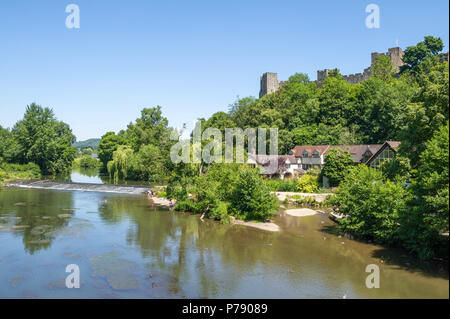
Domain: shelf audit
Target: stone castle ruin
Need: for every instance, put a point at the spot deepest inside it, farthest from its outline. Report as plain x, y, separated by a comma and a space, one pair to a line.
270, 84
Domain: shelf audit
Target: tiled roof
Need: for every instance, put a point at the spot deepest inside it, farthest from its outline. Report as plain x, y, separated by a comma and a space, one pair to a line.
394, 145
357, 151
264, 159
298, 150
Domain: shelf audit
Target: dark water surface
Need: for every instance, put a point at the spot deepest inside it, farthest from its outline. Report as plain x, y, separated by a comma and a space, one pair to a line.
127, 248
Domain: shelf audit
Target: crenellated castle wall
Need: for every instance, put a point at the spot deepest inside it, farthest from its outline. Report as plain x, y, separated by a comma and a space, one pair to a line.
270, 84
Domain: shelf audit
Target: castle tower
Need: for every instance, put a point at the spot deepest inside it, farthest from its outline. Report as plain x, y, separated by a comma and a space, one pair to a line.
395, 54
269, 84
322, 75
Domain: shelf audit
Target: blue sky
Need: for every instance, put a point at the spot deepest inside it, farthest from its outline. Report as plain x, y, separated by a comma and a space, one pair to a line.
191, 57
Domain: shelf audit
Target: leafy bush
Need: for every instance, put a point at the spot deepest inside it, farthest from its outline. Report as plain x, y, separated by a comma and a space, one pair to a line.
86, 161
225, 190
177, 191
19, 171
3, 176
371, 204
162, 194
188, 206
220, 212
428, 217
251, 198
309, 182
280, 185
337, 164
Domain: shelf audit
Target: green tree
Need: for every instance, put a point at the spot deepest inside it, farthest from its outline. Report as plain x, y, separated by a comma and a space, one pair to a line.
150, 128
5, 143
337, 165
397, 169
427, 111
371, 205
147, 164
119, 166
108, 145
43, 140
299, 78
380, 109
239, 108
415, 55
86, 161
337, 101
424, 223
251, 198
383, 68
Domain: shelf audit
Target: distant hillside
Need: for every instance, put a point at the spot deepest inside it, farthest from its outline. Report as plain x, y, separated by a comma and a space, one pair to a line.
92, 142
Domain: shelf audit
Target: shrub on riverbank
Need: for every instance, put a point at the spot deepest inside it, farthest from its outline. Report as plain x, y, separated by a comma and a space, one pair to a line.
372, 205
226, 190
309, 182
86, 161
251, 199
281, 185
19, 171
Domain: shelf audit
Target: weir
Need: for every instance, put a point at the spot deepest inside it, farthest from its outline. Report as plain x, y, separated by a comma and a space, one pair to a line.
84, 187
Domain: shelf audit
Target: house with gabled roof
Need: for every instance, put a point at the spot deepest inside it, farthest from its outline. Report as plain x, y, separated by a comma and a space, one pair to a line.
304, 157
387, 151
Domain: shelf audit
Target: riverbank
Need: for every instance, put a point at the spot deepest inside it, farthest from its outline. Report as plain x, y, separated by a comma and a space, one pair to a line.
14, 172
162, 201
267, 226
292, 196
301, 212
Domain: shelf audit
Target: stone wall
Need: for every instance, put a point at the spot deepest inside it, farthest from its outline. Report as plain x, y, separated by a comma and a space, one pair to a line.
395, 54
269, 84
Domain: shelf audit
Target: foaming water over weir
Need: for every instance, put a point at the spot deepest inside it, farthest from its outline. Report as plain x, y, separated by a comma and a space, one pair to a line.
85, 187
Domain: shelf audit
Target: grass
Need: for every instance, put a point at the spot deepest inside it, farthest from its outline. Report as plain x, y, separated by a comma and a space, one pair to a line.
10, 172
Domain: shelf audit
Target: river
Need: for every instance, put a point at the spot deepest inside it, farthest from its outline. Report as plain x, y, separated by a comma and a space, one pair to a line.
125, 247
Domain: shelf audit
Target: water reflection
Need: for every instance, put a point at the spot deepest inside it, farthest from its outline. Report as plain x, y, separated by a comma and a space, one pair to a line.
94, 176
208, 253
126, 247
27, 217
85, 175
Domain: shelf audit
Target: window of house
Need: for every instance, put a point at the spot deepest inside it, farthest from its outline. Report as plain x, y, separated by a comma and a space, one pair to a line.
315, 154
305, 154
386, 154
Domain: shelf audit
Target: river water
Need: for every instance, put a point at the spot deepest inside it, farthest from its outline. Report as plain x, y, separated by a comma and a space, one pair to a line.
125, 247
